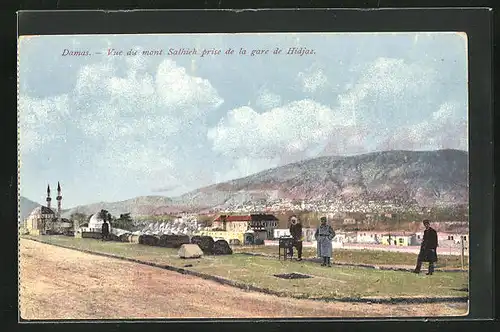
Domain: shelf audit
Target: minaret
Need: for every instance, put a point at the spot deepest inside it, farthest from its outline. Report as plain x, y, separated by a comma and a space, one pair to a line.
59, 199
48, 196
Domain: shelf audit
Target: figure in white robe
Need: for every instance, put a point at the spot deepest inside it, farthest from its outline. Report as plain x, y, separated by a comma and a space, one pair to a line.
324, 236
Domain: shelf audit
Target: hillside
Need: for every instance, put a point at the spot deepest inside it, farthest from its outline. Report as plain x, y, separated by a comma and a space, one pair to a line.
26, 206
424, 178
145, 205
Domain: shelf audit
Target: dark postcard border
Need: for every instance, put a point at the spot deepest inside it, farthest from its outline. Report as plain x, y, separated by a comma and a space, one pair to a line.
472, 20
475, 22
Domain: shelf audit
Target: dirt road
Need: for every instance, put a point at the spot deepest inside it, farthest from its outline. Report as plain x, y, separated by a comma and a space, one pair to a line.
58, 283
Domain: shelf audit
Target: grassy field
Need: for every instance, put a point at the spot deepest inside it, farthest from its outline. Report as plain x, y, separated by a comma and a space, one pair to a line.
336, 282
363, 256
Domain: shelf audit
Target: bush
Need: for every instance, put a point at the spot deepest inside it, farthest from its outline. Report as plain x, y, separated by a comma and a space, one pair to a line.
173, 241
221, 247
149, 240
206, 243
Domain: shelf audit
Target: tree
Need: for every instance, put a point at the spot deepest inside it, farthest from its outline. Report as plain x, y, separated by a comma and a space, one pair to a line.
224, 222
125, 222
79, 219
125, 217
103, 214
205, 221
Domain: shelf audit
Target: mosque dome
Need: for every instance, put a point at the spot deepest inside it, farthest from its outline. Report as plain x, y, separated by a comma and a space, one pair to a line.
44, 220
96, 221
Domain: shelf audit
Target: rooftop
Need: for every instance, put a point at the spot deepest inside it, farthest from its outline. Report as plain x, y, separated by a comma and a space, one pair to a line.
42, 210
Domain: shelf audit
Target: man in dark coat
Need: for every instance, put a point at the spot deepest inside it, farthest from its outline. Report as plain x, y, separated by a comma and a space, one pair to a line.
428, 248
296, 233
105, 230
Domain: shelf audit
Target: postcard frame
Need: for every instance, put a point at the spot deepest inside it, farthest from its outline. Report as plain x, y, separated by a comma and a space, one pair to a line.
476, 22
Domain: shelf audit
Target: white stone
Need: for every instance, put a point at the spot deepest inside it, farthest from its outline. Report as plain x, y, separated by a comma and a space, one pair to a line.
190, 251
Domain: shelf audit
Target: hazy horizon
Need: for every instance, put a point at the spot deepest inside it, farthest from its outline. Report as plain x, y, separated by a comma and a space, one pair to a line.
166, 196
110, 127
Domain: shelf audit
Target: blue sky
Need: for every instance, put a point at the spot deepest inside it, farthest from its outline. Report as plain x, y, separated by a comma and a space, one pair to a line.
113, 128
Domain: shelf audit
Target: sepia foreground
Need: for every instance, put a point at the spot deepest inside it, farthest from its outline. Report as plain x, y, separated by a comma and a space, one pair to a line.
58, 283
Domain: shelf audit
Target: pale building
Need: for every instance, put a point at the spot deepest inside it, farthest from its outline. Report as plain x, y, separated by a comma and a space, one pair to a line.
349, 221
400, 239
345, 237
458, 237
95, 223
279, 232
38, 220
447, 239
44, 220
369, 237
307, 233
262, 224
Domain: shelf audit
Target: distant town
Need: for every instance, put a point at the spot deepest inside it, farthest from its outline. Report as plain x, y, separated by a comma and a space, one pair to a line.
387, 225
328, 206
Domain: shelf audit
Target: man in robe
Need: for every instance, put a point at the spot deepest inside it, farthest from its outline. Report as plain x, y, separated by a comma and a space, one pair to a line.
427, 249
324, 236
296, 233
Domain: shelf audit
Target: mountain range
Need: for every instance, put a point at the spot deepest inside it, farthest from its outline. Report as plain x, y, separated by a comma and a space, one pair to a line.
26, 206
423, 178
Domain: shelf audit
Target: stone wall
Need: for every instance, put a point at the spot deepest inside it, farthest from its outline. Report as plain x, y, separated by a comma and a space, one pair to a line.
88, 235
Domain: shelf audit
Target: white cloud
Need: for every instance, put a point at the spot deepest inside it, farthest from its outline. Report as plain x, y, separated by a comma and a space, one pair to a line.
385, 79
292, 131
444, 129
282, 130
267, 100
167, 99
448, 111
130, 114
393, 77
170, 93
179, 91
92, 79
141, 122
40, 121
312, 80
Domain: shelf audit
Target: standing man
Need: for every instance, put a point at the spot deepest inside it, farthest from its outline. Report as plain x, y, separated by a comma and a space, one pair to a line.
296, 233
324, 236
427, 249
105, 230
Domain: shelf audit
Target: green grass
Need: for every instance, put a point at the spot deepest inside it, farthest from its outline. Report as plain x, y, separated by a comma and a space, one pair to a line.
258, 271
372, 257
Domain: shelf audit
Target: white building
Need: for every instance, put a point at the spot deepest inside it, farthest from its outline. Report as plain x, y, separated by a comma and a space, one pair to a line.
369, 237
345, 237
44, 220
349, 221
279, 232
307, 233
447, 239
242, 223
95, 224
